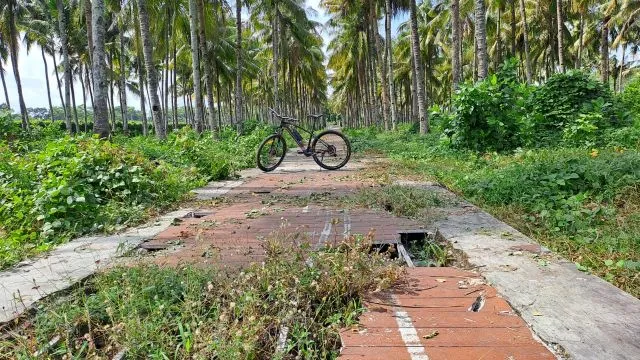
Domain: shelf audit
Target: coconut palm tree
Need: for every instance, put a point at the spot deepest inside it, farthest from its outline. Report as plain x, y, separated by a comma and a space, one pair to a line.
417, 69
456, 69
11, 12
481, 38
4, 54
62, 25
100, 115
151, 72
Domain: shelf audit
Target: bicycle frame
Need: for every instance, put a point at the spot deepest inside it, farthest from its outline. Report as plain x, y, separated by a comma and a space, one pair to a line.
292, 129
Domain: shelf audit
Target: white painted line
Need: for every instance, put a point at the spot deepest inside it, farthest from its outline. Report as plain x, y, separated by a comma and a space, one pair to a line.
409, 334
324, 235
347, 224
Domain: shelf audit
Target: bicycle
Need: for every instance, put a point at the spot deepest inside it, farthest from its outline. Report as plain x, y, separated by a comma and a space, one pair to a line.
330, 149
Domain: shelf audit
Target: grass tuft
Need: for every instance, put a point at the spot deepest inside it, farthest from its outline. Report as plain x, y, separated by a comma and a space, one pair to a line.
185, 313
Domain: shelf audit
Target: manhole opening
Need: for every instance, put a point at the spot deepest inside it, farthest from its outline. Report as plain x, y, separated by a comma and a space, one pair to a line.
197, 214
385, 248
423, 249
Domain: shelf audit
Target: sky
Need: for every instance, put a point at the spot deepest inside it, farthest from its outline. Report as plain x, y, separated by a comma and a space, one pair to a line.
33, 75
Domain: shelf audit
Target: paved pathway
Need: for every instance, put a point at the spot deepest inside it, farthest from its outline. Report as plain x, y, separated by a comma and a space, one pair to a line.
428, 318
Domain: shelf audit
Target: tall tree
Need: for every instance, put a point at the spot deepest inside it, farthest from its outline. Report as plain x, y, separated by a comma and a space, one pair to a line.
481, 38
560, 35
152, 74
389, 57
456, 70
100, 114
239, 102
10, 11
195, 62
604, 50
66, 65
417, 68
525, 35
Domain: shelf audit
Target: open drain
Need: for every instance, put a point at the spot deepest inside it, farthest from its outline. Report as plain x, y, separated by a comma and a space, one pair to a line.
420, 248
197, 214
389, 248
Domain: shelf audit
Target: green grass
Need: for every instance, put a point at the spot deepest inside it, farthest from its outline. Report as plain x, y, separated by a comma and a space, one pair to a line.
580, 202
191, 313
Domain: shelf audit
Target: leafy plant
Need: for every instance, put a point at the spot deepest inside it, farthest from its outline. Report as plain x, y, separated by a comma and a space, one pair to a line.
570, 105
630, 97
487, 113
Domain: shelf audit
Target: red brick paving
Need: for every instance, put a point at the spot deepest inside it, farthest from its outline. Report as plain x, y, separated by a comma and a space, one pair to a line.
435, 299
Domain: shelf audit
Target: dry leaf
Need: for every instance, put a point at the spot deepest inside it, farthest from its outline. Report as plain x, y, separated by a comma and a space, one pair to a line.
431, 335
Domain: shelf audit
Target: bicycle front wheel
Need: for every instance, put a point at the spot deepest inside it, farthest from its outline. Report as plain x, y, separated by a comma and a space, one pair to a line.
271, 152
331, 150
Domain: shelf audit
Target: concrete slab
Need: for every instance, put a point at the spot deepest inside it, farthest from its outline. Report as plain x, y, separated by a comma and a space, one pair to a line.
32, 280
587, 317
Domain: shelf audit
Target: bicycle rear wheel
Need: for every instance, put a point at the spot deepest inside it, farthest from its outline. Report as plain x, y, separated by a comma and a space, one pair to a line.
271, 152
331, 150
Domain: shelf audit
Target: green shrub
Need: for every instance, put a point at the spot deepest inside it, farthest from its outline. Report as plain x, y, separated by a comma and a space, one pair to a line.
487, 113
78, 185
570, 106
630, 98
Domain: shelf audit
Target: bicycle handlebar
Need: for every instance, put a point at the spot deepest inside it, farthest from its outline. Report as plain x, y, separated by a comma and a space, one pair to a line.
285, 118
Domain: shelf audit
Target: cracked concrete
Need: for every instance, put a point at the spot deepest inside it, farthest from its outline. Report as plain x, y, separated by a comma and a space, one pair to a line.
586, 316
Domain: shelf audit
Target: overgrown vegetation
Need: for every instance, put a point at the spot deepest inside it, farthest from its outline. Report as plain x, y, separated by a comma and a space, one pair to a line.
194, 313
576, 198
54, 187
501, 114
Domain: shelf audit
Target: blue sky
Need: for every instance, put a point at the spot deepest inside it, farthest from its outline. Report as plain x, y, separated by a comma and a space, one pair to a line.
33, 75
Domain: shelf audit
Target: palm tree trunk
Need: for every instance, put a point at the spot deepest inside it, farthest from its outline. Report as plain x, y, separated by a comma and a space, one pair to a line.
513, 28
151, 71
239, 102
123, 84
621, 72
87, 17
525, 31
275, 45
580, 41
174, 89
89, 82
604, 51
560, 40
389, 53
75, 108
455, 48
62, 24
381, 65
208, 77
4, 86
112, 92
46, 77
84, 99
13, 50
481, 38
143, 107
100, 115
498, 55
55, 66
415, 50
195, 56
